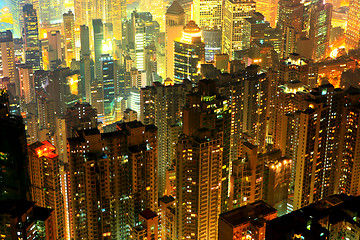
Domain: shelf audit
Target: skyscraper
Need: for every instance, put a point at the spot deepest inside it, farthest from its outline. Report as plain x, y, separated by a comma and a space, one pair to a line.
161, 105
189, 53
69, 35
208, 13
7, 56
109, 80
126, 175
200, 162
352, 34
31, 37
98, 34
234, 14
175, 21
44, 173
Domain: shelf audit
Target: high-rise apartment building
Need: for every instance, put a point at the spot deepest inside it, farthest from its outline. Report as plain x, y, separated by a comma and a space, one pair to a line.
27, 84
189, 54
246, 177
7, 56
317, 143
81, 116
175, 21
234, 14
208, 13
162, 105
31, 37
45, 188
348, 175
69, 35
199, 163
126, 176
352, 34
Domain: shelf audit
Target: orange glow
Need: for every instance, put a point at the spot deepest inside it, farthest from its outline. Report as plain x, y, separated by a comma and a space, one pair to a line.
46, 150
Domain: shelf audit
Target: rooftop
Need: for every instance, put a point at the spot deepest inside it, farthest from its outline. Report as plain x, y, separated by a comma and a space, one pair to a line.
148, 214
251, 212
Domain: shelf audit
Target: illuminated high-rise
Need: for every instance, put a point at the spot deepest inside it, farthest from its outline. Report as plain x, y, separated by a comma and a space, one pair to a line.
175, 21
44, 173
268, 8
31, 37
69, 35
27, 84
199, 165
161, 105
189, 53
98, 34
234, 14
50, 12
125, 175
7, 56
352, 34
208, 13
157, 8
109, 80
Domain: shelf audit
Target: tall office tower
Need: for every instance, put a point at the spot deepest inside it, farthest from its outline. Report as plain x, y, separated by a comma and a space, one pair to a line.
109, 81
87, 10
161, 105
87, 77
189, 53
115, 13
255, 102
98, 34
208, 13
248, 222
32, 128
317, 139
350, 145
44, 174
84, 41
69, 35
157, 8
55, 56
18, 18
320, 26
27, 85
352, 33
50, 12
147, 227
200, 154
212, 38
268, 8
246, 177
7, 56
81, 116
290, 13
234, 14
134, 162
38, 221
31, 37
14, 182
175, 21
